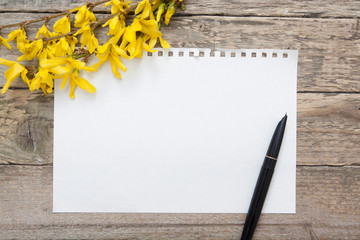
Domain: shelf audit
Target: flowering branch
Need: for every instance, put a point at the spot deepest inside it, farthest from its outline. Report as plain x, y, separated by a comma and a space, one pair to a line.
47, 18
60, 56
93, 24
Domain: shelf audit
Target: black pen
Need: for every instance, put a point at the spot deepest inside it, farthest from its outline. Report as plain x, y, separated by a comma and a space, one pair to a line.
263, 182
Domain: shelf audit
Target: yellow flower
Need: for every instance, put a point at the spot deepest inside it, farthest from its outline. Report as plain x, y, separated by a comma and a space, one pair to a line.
130, 34
151, 30
115, 24
118, 6
145, 46
149, 27
92, 44
20, 36
88, 38
31, 50
15, 33
84, 16
170, 11
44, 32
62, 25
65, 45
163, 43
111, 51
44, 80
134, 48
54, 65
144, 6
4, 42
72, 41
62, 48
75, 80
45, 53
15, 69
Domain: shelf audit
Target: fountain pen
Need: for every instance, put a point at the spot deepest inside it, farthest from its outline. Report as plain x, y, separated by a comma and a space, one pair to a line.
263, 182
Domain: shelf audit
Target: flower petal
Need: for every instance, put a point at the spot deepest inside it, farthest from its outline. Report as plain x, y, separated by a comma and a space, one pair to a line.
118, 62
7, 62
84, 84
11, 74
164, 43
50, 63
4, 42
65, 78
62, 25
114, 68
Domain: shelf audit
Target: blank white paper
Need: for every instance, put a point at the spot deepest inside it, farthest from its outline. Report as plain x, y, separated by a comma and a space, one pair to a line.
185, 132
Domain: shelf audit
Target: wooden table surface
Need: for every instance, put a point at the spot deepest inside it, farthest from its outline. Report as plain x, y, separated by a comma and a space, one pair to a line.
326, 33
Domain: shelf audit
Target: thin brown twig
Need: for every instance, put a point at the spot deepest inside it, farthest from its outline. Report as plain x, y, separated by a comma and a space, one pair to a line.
101, 21
95, 24
92, 5
84, 56
59, 36
47, 18
34, 21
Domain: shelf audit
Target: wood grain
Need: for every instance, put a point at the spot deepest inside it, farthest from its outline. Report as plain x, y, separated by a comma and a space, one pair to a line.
329, 55
302, 8
328, 128
326, 33
26, 132
327, 208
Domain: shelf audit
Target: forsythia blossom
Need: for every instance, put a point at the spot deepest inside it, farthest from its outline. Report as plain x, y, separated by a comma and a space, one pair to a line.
68, 69
31, 50
84, 17
118, 6
144, 6
115, 24
111, 51
20, 36
44, 32
15, 69
62, 25
88, 38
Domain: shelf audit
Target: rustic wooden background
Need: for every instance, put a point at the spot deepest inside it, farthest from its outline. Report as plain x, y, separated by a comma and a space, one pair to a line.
326, 33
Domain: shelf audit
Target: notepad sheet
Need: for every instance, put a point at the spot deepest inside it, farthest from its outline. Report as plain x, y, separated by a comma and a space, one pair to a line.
183, 131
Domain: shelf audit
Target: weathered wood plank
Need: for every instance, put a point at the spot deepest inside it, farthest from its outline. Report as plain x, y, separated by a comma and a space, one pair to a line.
303, 8
329, 55
328, 128
327, 208
26, 132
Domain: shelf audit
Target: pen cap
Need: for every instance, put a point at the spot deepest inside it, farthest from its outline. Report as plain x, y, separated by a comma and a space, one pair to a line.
275, 144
